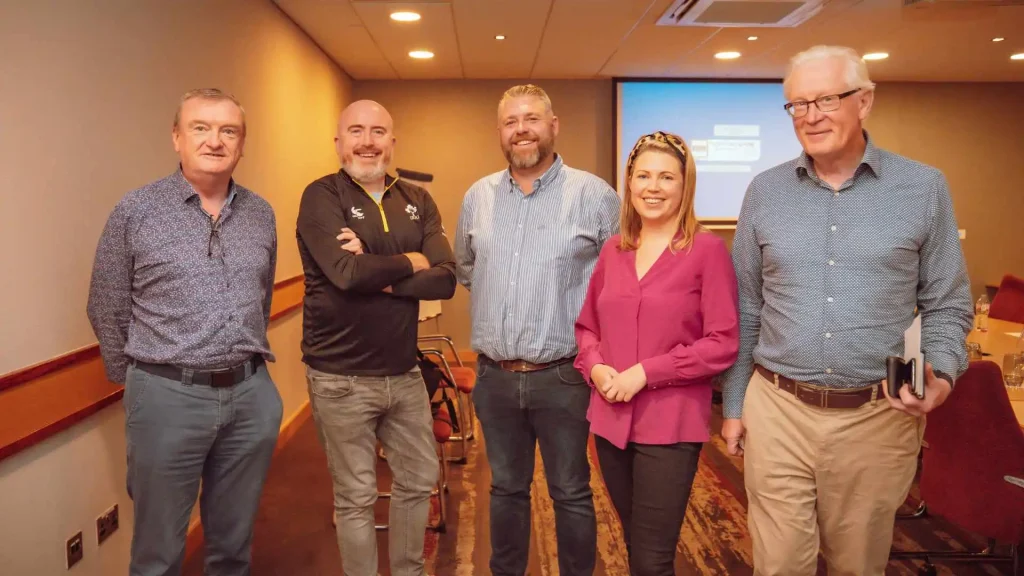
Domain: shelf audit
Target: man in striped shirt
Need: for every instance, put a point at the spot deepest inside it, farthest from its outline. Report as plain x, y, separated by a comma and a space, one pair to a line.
527, 241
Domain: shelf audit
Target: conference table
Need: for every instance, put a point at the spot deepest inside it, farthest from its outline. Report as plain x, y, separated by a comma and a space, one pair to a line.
999, 340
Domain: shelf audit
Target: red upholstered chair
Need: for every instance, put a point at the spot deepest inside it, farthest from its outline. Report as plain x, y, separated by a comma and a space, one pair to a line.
1009, 301
974, 443
463, 376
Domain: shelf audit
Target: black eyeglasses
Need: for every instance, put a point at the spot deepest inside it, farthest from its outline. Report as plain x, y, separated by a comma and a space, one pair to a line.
828, 103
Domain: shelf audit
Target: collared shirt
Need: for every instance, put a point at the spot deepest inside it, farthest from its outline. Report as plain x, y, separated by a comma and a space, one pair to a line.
172, 286
829, 279
350, 326
527, 259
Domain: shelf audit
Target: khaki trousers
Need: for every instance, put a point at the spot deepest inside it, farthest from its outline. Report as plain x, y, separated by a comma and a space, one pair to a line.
828, 475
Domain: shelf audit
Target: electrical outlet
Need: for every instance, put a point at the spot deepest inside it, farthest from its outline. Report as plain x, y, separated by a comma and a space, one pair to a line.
75, 550
106, 524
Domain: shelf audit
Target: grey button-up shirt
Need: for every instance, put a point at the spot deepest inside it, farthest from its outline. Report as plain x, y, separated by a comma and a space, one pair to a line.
829, 279
527, 259
171, 286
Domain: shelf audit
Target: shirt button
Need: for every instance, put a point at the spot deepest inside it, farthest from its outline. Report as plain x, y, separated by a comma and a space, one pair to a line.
833, 228
828, 370
831, 262
828, 334
836, 194
516, 254
830, 299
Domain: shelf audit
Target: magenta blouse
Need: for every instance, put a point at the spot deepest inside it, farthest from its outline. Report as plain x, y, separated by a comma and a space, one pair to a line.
680, 322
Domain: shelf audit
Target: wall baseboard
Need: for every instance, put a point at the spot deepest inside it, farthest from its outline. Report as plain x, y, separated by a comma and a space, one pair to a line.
194, 540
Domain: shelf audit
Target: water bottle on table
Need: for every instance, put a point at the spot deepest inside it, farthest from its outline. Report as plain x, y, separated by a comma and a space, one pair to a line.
981, 313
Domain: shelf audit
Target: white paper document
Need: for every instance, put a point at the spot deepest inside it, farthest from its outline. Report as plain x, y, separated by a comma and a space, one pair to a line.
912, 348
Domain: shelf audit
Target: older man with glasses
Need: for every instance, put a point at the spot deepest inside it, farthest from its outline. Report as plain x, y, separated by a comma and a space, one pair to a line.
835, 252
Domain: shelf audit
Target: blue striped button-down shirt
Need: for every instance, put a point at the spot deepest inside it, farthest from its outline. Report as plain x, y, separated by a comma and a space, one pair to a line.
829, 279
527, 259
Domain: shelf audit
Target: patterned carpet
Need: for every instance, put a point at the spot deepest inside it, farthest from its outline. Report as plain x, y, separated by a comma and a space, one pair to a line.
294, 535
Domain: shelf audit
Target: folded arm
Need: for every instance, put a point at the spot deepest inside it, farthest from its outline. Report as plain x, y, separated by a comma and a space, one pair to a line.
716, 349
437, 282
110, 293
320, 218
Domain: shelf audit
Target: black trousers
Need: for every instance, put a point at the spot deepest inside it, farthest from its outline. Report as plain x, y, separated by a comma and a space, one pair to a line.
649, 486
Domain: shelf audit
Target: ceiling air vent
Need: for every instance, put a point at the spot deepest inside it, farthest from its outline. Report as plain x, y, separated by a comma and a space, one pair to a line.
740, 13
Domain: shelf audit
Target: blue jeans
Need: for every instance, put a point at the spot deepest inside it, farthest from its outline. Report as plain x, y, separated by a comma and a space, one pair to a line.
518, 411
180, 434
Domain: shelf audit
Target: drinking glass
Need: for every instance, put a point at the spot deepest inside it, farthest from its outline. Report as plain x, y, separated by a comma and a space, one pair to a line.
974, 351
1013, 369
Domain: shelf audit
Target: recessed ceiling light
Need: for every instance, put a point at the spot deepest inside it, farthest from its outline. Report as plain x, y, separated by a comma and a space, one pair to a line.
405, 16
876, 56
998, 39
1017, 56
421, 54
751, 38
727, 55
499, 37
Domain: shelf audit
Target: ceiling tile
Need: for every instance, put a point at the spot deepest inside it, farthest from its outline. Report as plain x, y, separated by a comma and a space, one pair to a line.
581, 35
435, 32
933, 41
477, 23
336, 28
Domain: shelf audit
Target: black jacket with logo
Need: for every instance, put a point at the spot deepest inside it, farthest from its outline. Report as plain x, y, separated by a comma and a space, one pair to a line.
350, 325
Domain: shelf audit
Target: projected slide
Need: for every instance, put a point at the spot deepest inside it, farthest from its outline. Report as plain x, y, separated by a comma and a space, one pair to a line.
735, 131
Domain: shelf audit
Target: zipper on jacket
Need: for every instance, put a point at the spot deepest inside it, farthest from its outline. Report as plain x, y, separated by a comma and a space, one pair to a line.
380, 205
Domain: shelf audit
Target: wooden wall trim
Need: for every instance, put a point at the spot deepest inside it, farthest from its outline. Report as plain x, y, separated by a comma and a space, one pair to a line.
41, 400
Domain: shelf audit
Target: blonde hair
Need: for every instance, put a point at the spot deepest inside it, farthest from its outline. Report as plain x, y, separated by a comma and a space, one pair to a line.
686, 219
526, 90
856, 69
207, 94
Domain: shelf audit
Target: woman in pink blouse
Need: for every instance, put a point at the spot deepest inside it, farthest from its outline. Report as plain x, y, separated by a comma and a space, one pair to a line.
659, 322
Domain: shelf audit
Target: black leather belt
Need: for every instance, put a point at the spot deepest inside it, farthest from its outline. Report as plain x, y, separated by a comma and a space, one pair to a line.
223, 378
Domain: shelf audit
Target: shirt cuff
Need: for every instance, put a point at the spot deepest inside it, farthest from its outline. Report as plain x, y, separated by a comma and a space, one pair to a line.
659, 369
586, 362
946, 377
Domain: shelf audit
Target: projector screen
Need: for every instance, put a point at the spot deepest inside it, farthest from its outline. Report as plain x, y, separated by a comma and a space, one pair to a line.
734, 129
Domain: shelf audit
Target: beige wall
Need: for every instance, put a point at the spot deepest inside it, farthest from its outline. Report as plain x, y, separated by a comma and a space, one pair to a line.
970, 131
974, 133
87, 95
450, 129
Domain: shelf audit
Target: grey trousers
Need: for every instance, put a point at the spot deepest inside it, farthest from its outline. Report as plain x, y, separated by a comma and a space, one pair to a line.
351, 414
180, 434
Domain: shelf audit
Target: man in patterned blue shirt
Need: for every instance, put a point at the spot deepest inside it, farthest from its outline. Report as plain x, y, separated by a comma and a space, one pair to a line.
527, 241
834, 252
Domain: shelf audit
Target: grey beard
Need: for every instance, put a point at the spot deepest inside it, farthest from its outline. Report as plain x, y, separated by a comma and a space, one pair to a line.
366, 175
